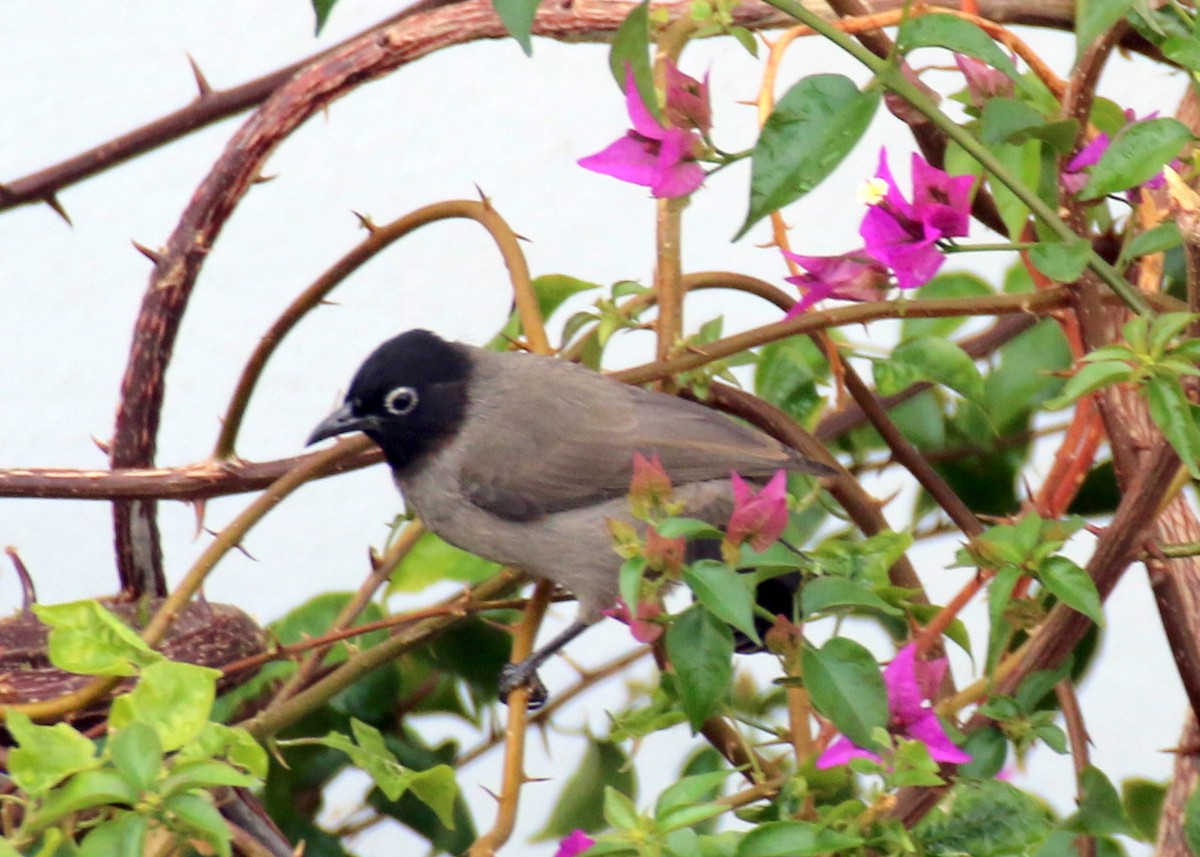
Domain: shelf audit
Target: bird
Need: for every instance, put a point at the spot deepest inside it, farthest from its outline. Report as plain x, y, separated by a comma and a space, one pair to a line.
523, 458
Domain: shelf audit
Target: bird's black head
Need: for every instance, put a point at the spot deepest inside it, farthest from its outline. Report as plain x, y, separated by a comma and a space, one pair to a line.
409, 397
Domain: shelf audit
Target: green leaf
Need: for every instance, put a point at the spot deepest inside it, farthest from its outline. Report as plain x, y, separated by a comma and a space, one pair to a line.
812, 128
581, 799
322, 8
1025, 378
46, 755
725, 593
700, 647
1191, 821
1184, 50
122, 836
174, 698
1161, 238
999, 598
1172, 413
137, 755
1089, 378
1143, 803
1135, 156
194, 776
88, 639
929, 358
1094, 17
433, 560
194, 815
689, 528
1073, 586
955, 34
787, 374
1100, 812
236, 745
552, 290
846, 685
988, 749
687, 791
794, 839
517, 17
619, 810
1165, 328
435, 786
1062, 262
987, 818
631, 47
837, 593
85, 790
954, 285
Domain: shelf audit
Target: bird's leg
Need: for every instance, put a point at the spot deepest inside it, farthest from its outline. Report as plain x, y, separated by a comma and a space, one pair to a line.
524, 674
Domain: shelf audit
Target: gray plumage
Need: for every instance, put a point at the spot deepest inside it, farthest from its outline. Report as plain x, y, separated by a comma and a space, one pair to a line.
522, 459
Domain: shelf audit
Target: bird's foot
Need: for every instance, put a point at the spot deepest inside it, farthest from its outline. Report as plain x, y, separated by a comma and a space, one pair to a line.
524, 674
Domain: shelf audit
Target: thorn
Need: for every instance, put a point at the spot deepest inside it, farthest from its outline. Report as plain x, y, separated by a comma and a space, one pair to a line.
373, 559
365, 221
239, 547
199, 506
491, 793
52, 201
201, 80
104, 446
261, 179
153, 255
521, 237
487, 203
28, 595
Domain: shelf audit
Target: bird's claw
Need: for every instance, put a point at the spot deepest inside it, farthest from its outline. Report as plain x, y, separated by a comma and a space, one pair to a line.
515, 676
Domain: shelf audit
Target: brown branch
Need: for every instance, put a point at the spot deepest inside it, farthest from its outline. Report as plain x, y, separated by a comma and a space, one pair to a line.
190, 482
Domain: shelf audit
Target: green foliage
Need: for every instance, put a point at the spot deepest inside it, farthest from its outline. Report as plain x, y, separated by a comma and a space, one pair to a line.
701, 649
161, 759
517, 17
1136, 154
812, 128
580, 804
846, 686
988, 818
434, 786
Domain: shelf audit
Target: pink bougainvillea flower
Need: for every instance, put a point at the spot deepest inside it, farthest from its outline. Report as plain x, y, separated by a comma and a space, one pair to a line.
904, 235
1075, 177
660, 158
910, 684
642, 625
576, 843
650, 486
983, 81
852, 276
758, 517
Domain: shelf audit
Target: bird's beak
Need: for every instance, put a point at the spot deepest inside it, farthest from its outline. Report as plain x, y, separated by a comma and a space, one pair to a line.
341, 421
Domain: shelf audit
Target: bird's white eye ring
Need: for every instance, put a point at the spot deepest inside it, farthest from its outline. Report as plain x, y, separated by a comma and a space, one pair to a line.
400, 401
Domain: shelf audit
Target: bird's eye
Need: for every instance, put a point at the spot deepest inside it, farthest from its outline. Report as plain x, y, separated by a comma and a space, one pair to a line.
400, 401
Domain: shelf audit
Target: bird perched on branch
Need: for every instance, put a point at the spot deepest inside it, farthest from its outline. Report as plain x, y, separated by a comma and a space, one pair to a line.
522, 459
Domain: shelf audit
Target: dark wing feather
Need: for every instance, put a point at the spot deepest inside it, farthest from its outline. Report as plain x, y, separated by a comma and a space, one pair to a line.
548, 437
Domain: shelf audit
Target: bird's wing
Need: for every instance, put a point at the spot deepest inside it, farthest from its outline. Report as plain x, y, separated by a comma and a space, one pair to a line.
542, 453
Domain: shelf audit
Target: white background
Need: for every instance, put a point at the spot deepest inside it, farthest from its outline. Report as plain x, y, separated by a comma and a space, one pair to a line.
482, 114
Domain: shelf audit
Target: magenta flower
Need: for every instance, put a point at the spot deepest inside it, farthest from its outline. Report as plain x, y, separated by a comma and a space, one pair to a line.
983, 81
642, 624
910, 684
852, 276
660, 158
758, 517
904, 235
576, 843
1074, 178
